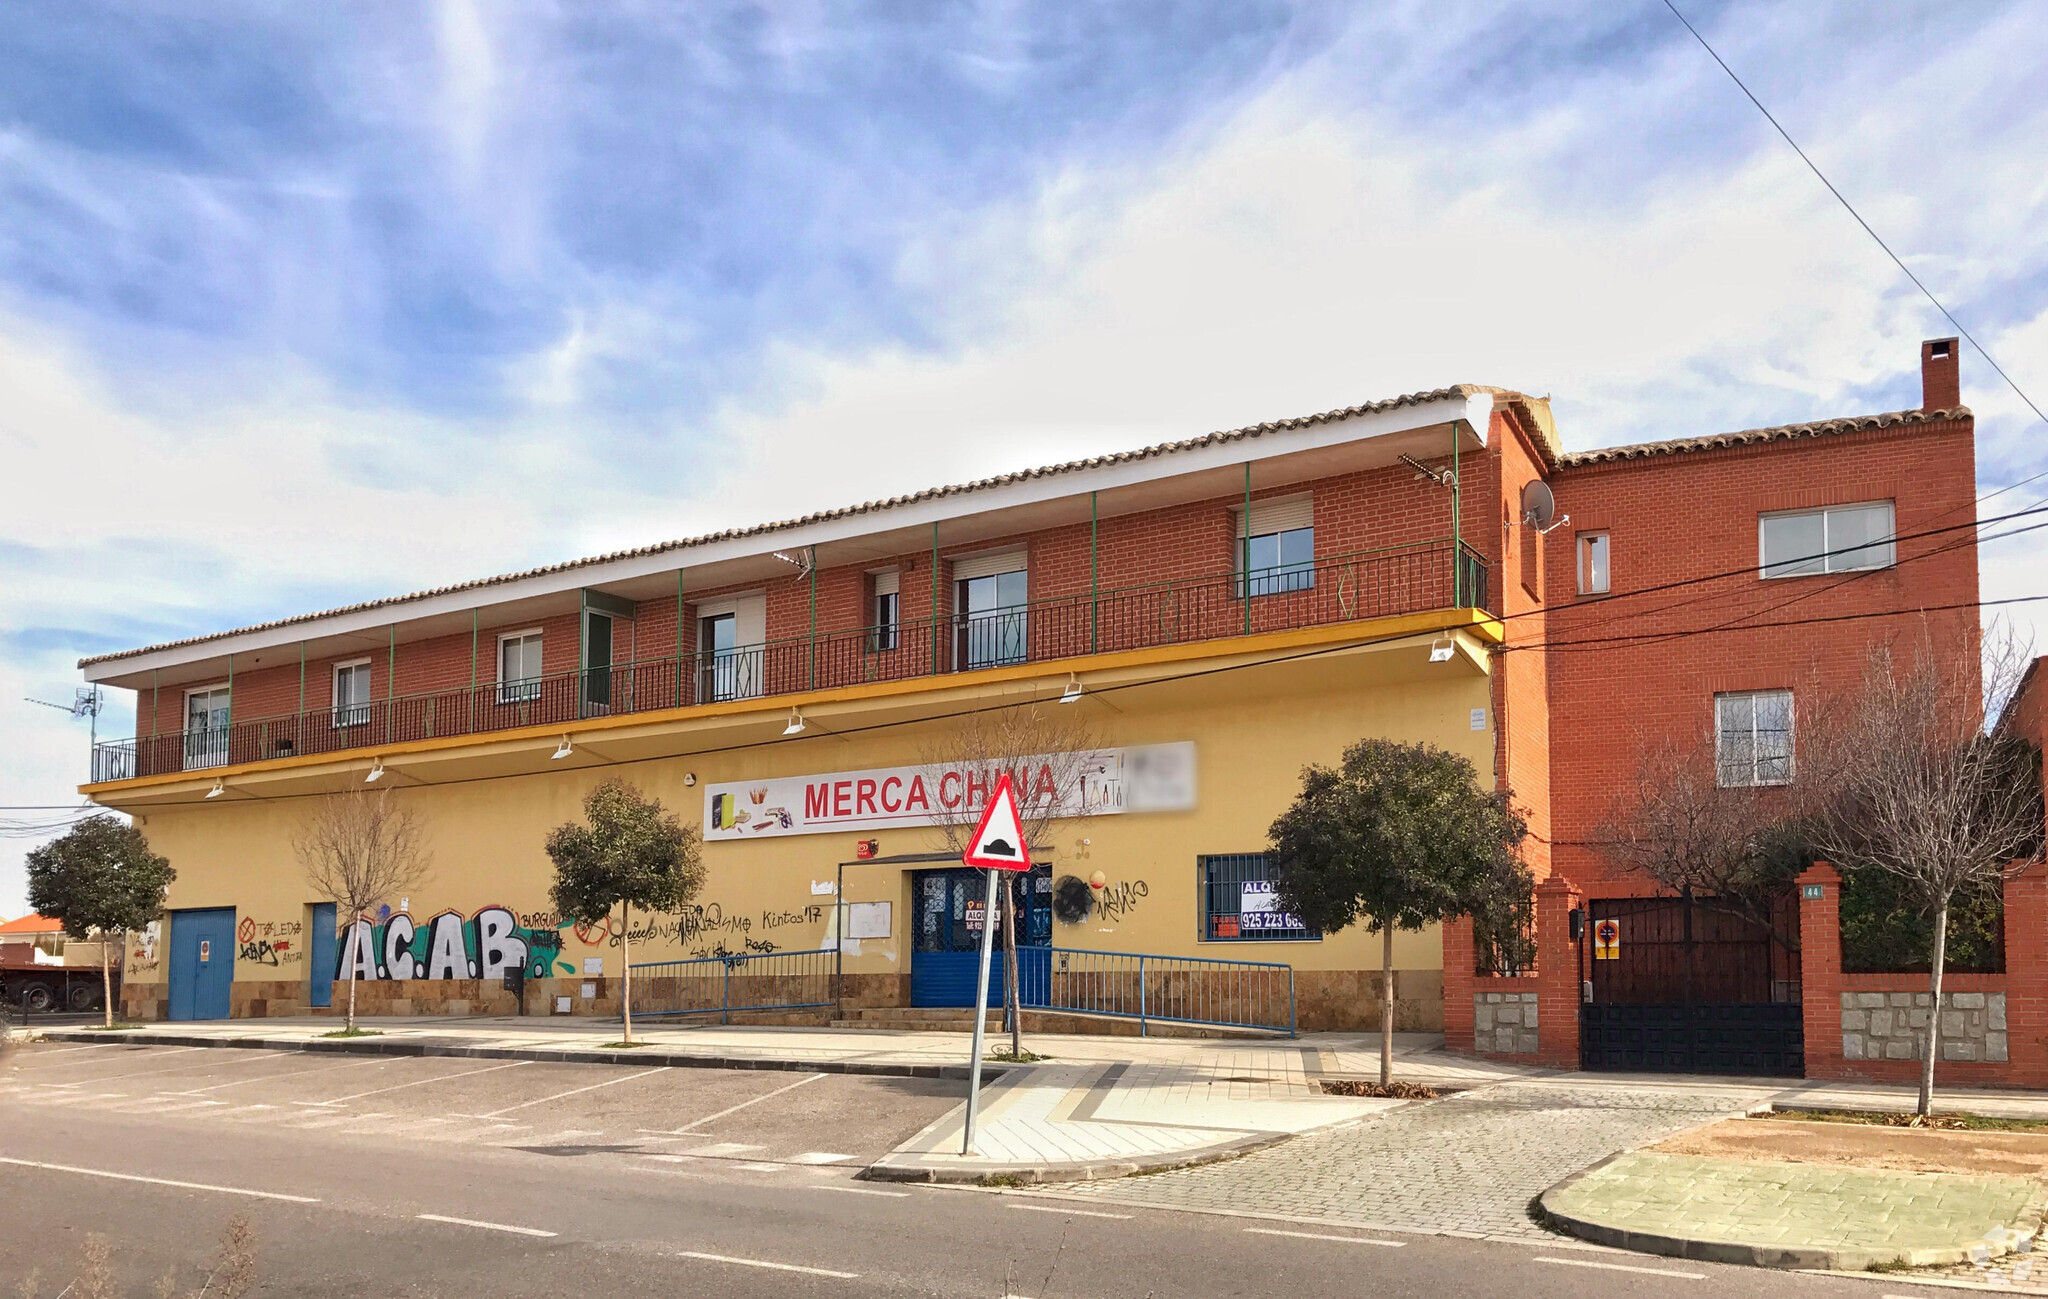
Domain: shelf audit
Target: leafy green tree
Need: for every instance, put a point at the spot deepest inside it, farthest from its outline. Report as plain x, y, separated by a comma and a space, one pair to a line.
100, 876
1397, 836
631, 851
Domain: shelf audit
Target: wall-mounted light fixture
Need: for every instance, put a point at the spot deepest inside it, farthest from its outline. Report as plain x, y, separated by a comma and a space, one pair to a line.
376, 772
562, 750
219, 787
796, 723
1073, 691
1441, 649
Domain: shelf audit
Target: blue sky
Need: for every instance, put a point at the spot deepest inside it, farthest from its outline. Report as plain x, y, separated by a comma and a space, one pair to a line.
298, 308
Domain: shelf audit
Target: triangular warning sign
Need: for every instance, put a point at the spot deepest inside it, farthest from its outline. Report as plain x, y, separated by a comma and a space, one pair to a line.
998, 842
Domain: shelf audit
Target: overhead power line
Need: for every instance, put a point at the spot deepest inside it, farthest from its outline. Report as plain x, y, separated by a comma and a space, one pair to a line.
1851, 209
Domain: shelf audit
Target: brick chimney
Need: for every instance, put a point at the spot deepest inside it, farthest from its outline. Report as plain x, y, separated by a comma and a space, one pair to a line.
1941, 384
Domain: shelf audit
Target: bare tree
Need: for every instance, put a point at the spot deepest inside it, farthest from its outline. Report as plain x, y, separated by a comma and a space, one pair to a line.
360, 848
1903, 776
1048, 751
1730, 848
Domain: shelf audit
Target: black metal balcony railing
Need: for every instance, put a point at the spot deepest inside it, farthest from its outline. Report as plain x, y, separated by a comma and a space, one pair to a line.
1380, 584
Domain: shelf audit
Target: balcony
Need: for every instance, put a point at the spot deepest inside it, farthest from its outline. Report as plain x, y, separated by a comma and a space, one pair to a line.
1377, 584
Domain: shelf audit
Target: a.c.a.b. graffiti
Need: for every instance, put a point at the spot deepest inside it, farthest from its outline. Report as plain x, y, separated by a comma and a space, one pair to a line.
489, 945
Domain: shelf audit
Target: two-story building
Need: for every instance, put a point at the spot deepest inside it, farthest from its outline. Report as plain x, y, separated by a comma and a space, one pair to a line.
1223, 610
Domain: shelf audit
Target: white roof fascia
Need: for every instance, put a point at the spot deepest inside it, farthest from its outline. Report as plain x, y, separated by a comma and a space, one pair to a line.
1475, 409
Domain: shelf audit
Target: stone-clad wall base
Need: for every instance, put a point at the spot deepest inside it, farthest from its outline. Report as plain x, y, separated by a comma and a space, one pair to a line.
1343, 1001
1505, 1023
1890, 1025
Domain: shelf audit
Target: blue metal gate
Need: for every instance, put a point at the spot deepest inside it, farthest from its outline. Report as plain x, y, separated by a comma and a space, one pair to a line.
945, 951
321, 954
202, 962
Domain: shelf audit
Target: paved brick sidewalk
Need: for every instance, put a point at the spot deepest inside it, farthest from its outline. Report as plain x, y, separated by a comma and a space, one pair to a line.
1793, 1215
1470, 1164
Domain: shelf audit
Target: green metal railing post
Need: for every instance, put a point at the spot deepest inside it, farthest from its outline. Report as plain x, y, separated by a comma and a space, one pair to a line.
935, 597
814, 617
1457, 543
1094, 581
472, 668
391, 687
299, 727
1247, 561
679, 638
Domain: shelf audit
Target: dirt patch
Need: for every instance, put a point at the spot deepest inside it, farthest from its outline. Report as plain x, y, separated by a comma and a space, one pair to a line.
1914, 1150
1400, 1091
1900, 1119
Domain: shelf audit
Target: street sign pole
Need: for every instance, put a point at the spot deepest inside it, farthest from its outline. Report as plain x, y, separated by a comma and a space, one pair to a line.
996, 845
988, 929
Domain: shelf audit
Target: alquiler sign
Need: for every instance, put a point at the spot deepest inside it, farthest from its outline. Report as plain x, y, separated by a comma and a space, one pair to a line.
1145, 778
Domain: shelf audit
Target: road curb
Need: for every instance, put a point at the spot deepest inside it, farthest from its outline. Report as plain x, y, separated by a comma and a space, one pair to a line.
1084, 1171
548, 1055
1812, 1258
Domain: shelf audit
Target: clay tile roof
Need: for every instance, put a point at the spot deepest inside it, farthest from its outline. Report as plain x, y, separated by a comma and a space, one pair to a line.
32, 924
1757, 436
849, 511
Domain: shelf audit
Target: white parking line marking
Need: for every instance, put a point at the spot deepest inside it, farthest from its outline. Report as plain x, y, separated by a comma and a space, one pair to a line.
762, 1262
486, 1226
67, 1050
862, 1190
734, 1109
671, 1159
1317, 1235
160, 1181
723, 1149
144, 1059
1623, 1267
419, 1082
577, 1091
276, 1077
819, 1157
1078, 1213
760, 1168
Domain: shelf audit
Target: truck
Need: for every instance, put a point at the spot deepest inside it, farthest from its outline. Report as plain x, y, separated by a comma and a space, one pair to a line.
41, 970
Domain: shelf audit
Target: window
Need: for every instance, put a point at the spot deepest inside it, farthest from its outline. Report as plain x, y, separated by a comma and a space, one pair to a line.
1839, 539
989, 598
352, 693
883, 610
206, 727
1753, 738
519, 667
1238, 903
1592, 563
731, 648
718, 641
1276, 550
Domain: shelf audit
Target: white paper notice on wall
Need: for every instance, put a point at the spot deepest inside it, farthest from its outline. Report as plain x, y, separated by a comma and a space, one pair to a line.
561, 1005
850, 946
825, 887
867, 920
589, 991
1479, 719
593, 965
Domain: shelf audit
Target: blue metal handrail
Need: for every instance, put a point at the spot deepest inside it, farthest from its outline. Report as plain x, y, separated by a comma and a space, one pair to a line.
721, 985
1200, 990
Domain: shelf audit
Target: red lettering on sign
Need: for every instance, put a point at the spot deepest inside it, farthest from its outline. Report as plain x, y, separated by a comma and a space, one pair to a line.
864, 797
917, 799
976, 783
842, 798
944, 799
1046, 791
890, 803
814, 802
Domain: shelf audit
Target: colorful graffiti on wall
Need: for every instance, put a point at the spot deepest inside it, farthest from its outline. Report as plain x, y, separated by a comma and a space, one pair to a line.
489, 945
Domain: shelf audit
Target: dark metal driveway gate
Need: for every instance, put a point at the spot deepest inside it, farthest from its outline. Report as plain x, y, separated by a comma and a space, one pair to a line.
1690, 989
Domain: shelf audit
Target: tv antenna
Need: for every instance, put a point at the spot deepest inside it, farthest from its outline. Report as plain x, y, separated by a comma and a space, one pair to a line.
86, 701
803, 564
1441, 477
1539, 507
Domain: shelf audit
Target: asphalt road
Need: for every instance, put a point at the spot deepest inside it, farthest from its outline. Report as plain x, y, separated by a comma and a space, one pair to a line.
374, 1177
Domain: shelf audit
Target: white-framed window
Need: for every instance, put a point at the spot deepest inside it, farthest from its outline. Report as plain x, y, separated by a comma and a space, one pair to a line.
1838, 539
207, 710
1753, 738
1593, 571
352, 693
1276, 549
519, 666
991, 598
732, 653
885, 610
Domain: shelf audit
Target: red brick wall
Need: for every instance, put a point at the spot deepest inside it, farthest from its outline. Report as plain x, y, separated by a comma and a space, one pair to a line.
1674, 517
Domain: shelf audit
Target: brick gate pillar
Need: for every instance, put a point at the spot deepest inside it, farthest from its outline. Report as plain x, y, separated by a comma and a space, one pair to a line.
1557, 975
2026, 974
1820, 969
1458, 979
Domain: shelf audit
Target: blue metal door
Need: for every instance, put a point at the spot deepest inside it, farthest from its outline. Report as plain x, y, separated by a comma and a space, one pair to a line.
321, 949
945, 956
202, 962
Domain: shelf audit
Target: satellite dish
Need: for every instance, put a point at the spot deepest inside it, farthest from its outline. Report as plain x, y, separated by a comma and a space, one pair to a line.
1539, 507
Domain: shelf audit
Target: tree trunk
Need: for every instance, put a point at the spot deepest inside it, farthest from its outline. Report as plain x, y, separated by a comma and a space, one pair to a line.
1013, 996
1386, 1004
626, 970
107, 974
355, 956
1934, 1010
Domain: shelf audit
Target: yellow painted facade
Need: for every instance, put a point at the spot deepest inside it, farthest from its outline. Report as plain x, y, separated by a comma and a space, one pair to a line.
1255, 710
